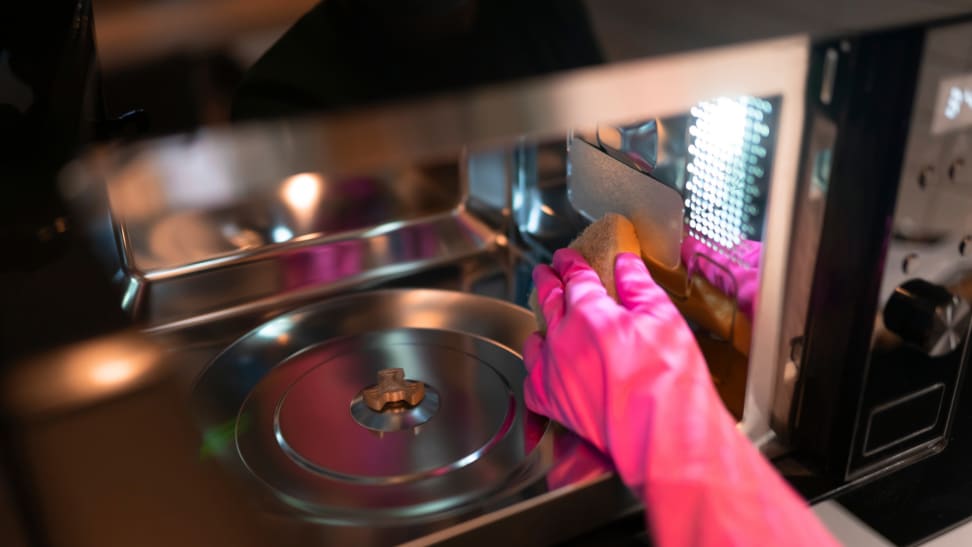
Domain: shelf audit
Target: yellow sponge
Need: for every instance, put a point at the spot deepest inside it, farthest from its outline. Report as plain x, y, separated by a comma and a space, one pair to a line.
695, 298
599, 244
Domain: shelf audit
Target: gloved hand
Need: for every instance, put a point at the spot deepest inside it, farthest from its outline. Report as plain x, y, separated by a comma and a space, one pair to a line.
630, 378
743, 281
575, 460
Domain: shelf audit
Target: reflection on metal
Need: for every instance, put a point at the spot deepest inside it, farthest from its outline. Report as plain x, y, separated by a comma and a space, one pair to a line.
183, 235
220, 255
296, 268
477, 446
598, 183
542, 215
276, 329
130, 297
153, 186
807, 225
188, 249
638, 142
82, 375
281, 234
114, 372
218, 439
302, 192
479, 411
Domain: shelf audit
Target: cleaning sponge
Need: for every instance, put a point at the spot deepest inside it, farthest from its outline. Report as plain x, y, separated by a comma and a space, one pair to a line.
599, 244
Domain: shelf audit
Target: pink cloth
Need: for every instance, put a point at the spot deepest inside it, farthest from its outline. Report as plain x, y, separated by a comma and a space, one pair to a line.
738, 278
630, 379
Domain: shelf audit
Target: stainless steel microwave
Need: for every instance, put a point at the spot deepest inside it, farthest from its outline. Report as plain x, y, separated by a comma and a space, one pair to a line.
234, 250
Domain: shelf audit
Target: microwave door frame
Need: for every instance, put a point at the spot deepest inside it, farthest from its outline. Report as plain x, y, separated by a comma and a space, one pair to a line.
661, 86
548, 106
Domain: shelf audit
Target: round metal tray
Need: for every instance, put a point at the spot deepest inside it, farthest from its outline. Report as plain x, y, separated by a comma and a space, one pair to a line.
291, 390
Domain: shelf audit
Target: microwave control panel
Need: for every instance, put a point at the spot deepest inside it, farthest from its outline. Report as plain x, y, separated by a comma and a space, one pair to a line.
921, 338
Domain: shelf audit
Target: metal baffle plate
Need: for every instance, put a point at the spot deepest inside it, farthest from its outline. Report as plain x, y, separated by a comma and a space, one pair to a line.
293, 388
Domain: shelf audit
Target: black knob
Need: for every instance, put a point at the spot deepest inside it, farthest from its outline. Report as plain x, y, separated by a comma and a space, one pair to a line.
928, 316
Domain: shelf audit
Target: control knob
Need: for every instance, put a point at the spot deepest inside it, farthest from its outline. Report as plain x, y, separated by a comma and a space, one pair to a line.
928, 316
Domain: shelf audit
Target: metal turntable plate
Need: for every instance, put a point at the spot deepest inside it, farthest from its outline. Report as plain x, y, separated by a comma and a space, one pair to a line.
292, 390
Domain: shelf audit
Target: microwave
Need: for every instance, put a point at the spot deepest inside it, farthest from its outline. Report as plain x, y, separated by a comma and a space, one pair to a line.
234, 250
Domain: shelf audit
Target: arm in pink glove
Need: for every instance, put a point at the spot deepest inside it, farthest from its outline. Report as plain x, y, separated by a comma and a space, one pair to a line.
630, 378
737, 277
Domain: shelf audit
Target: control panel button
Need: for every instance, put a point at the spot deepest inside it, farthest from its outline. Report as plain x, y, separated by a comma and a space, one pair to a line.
926, 177
909, 265
928, 316
956, 170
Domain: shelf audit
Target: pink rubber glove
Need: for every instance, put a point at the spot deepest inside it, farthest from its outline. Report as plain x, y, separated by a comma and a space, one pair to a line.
575, 460
630, 378
744, 280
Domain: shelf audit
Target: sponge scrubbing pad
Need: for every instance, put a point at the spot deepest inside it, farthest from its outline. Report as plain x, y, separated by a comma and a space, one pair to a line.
599, 244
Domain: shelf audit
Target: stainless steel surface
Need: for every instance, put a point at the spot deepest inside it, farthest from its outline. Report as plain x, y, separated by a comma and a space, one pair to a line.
534, 516
544, 217
235, 280
248, 230
269, 226
289, 387
539, 107
110, 454
598, 184
932, 219
324, 266
222, 273
128, 467
954, 324
173, 225
72, 377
